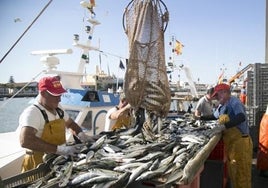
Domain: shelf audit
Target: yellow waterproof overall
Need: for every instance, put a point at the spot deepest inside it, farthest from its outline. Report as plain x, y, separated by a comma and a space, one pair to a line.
53, 133
123, 120
239, 157
262, 155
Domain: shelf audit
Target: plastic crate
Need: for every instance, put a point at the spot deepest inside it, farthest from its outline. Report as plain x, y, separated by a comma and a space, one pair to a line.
26, 177
218, 152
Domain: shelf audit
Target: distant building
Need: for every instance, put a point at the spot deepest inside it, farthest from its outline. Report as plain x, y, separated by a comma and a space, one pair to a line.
22, 89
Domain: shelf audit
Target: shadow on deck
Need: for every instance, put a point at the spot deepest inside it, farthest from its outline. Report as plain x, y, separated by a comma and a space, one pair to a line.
215, 176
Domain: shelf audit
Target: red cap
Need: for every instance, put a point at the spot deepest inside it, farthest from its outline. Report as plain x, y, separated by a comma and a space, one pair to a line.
52, 85
220, 87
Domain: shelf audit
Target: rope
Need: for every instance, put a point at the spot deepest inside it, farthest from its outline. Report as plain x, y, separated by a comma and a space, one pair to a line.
9, 99
25, 31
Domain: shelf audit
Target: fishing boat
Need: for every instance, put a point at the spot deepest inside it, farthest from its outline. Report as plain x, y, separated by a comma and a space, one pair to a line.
88, 107
85, 105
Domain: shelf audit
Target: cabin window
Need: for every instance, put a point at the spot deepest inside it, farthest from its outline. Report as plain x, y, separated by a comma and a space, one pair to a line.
91, 96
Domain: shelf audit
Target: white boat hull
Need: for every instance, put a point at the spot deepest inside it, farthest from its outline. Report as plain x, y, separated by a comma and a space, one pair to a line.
11, 156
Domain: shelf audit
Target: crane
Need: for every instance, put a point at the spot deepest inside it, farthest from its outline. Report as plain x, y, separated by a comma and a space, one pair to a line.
239, 73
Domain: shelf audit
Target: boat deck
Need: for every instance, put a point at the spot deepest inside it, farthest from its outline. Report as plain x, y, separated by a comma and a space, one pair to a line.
211, 177
258, 181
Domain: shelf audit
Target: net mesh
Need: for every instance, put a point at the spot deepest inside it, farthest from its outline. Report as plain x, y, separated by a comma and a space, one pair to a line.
146, 83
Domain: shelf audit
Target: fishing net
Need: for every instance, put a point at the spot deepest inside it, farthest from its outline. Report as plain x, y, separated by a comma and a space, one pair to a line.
146, 83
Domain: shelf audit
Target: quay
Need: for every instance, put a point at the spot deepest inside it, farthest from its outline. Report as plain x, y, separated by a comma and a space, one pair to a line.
21, 89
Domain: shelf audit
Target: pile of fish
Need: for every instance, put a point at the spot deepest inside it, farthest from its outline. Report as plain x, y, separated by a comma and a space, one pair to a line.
121, 159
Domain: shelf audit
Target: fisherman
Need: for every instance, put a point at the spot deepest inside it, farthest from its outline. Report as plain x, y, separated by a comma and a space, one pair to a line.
262, 155
118, 116
237, 141
243, 95
204, 106
42, 125
189, 110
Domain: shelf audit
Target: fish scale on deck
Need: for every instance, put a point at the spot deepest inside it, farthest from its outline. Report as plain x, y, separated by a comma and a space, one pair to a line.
119, 159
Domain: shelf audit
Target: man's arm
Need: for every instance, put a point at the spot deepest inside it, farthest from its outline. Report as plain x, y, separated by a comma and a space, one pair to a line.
73, 126
239, 118
29, 140
208, 117
117, 113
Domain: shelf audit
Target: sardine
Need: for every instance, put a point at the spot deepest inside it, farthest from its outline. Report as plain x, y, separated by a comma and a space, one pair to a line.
150, 156
96, 145
149, 175
136, 172
98, 179
128, 167
82, 177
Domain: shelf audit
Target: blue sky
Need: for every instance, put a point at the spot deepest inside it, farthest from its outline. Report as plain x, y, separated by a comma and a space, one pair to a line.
216, 35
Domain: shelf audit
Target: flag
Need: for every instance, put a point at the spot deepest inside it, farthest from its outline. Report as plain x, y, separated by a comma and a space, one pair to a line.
126, 62
178, 47
121, 65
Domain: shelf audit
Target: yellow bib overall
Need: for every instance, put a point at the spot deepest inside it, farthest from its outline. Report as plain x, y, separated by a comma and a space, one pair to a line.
123, 120
239, 157
53, 133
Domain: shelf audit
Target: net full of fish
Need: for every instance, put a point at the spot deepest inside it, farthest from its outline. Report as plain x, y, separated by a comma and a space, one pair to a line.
120, 160
146, 83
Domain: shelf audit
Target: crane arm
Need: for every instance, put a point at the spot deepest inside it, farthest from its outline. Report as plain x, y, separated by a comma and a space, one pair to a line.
237, 75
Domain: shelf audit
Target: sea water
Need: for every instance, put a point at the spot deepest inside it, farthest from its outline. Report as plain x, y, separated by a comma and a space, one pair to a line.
10, 110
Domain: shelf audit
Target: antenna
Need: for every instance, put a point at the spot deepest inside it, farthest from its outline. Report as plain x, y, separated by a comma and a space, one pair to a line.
48, 58
52, 52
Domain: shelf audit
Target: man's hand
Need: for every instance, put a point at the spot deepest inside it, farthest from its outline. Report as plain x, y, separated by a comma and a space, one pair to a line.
128, 106
68, 150
224, 118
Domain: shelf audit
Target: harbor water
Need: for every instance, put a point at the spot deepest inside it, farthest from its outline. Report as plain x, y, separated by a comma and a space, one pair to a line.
10, 110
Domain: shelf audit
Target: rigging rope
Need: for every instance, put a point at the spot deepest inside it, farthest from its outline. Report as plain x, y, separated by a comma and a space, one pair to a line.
9, 99
25, 31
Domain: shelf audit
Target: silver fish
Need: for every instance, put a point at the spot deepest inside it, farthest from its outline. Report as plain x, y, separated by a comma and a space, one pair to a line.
83, 177
127, 167
64, 180
98, 179
150, 156
174, 176
96, 145
136, 172
149, 175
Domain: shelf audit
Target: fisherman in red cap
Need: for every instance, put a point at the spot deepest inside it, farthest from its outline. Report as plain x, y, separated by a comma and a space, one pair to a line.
237, 141
42, 125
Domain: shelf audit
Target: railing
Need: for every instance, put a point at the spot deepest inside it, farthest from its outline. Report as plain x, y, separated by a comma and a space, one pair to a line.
21, 94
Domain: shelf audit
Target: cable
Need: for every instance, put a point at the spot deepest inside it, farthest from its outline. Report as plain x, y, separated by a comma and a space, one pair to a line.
9, 99
25, 31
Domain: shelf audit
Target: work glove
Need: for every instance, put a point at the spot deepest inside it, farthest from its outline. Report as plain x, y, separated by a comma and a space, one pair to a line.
224, 118
68, 150
84, 138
